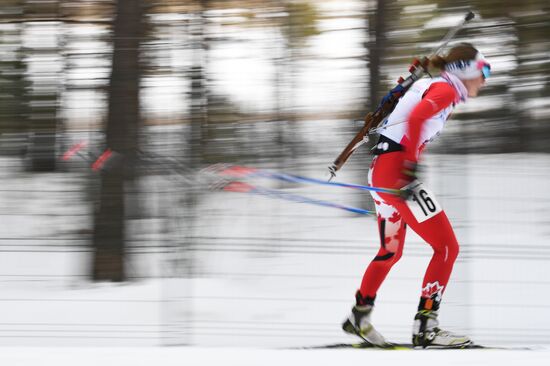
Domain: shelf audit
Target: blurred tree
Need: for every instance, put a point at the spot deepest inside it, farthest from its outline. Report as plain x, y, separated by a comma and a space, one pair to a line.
297, 28
377, 43
302, 17
121, 137
13, 97
42, 56
198, 137
530, 79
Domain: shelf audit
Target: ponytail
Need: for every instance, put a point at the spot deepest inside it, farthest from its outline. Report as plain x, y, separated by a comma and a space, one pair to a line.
438, 62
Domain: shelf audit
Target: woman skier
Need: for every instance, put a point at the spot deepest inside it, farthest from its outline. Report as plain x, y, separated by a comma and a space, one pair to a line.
417, 119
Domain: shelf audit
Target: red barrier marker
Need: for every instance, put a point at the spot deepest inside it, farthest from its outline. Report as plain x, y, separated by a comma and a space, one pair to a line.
74, 149
98, 164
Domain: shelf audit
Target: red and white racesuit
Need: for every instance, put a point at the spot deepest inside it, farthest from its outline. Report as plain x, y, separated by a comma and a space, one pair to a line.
417, 119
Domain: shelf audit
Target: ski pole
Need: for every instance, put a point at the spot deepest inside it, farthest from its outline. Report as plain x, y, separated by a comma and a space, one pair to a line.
299, 179
242, 187
238, 171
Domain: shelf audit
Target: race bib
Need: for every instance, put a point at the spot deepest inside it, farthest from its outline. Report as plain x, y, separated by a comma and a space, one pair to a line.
422, 202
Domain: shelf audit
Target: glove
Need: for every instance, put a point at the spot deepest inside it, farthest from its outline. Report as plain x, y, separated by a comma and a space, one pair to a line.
409, 171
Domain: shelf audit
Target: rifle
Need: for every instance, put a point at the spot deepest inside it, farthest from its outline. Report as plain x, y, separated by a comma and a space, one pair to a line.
418, 68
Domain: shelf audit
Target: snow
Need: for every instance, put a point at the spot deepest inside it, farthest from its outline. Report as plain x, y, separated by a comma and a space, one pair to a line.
258, 277
203, 356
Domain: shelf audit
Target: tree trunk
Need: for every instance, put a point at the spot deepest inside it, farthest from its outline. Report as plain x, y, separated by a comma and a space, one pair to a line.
45, 85
14, 98
121, 137
199, 89
377, 43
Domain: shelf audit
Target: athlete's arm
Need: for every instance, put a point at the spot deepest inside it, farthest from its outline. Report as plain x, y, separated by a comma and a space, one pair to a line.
438, 97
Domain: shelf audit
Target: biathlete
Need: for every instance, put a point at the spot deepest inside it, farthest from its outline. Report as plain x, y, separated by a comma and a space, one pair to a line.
417, 119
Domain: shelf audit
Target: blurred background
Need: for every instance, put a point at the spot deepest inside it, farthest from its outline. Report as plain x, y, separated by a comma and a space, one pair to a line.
138, 251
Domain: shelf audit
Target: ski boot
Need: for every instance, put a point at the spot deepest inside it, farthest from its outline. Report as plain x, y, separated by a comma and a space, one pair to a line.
427, 334
358, 323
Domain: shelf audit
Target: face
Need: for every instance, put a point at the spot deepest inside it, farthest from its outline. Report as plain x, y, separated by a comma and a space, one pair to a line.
474, 85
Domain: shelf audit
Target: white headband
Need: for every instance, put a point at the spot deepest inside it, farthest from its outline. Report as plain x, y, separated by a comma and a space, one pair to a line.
469, 69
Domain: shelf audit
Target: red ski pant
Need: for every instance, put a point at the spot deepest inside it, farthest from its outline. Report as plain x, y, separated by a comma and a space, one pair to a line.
393, 218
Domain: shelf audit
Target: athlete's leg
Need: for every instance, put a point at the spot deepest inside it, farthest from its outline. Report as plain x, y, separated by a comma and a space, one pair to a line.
392, 236
438, 233
391, 229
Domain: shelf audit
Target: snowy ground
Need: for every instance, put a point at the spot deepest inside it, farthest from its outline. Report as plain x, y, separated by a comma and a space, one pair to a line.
197, 356
256, 276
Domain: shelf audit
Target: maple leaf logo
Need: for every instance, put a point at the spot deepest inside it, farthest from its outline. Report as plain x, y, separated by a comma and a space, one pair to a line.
433, 290
394, 217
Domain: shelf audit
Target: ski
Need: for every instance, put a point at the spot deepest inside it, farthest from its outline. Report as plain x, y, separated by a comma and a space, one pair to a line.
239, 172
364, 345
410, 347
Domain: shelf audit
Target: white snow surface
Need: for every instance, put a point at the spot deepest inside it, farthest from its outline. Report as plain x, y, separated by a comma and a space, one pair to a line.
195, 356
255, 278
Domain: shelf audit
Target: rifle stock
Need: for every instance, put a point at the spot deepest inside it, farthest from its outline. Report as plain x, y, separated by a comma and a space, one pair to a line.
360, 138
